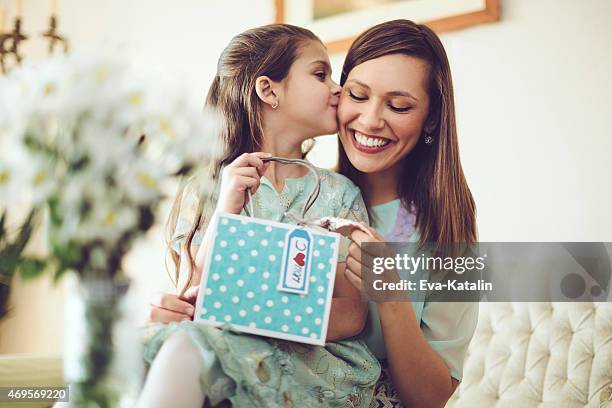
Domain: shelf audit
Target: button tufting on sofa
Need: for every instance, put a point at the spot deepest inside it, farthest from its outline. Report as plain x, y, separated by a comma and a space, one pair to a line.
537, 355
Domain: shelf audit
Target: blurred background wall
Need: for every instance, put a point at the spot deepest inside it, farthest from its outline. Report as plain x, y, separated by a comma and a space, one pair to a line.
532, 95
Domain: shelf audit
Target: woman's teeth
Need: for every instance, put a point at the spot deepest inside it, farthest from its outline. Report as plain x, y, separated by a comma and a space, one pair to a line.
370, 141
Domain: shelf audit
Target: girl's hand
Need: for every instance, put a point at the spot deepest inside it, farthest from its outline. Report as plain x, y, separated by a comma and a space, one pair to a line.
243, 173
355, 264
167, 307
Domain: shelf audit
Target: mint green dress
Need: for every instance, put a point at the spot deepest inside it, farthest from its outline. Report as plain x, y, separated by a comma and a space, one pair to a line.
255, 371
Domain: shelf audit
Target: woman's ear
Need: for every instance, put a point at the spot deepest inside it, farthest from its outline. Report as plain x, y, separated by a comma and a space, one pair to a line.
430, 126
265, 89
430, 123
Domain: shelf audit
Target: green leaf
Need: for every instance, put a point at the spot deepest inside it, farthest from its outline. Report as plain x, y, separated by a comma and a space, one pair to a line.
26, 230
9, 259
2, 222
68, 253
4, 295
54, 211
31, 268
58, 274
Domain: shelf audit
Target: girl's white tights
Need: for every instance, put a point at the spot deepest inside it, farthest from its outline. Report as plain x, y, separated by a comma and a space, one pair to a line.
174, 376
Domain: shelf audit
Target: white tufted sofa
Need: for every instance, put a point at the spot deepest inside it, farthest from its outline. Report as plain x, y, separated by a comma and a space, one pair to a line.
541, 355
527, 355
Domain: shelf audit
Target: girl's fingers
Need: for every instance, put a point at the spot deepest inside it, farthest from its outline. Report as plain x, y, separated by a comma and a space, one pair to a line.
172, 303
243, 183
254, 161
261, 154
263, 170
159, 315
251, 160
239, 161
246, 171
191, 294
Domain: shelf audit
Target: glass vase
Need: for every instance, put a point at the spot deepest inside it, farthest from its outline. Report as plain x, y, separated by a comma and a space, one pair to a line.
102, 357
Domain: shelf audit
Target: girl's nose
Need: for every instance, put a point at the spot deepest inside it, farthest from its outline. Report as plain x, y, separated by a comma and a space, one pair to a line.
336, 89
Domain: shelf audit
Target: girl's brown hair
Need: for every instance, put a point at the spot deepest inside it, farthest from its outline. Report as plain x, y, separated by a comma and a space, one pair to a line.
432, 177
263, 51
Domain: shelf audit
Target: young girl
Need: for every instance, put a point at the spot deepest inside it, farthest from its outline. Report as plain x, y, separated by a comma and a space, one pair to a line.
274, 91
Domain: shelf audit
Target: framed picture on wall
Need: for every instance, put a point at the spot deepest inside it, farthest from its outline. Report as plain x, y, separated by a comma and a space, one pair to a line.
338, 22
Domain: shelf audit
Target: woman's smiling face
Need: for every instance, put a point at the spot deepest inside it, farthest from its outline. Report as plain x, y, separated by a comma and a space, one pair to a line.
382, 111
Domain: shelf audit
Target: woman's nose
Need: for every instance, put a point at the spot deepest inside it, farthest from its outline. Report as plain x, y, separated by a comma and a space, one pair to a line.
370, 117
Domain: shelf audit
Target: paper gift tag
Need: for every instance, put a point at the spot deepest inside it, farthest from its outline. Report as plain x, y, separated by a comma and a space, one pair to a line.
269, 278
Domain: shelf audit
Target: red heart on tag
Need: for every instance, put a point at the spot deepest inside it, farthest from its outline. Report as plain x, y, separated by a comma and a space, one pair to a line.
299, 259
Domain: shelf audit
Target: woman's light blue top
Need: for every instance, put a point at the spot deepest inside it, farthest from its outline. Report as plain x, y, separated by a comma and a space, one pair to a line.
448, 326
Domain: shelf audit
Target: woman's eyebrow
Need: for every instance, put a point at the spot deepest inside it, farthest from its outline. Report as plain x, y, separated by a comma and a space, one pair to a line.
402, 93
361, 84
392, 93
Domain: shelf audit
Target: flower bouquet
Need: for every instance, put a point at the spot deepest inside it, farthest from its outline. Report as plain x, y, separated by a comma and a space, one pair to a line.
86, 146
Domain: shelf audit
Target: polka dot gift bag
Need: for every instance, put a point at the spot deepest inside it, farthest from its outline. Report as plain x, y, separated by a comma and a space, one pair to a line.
270, 278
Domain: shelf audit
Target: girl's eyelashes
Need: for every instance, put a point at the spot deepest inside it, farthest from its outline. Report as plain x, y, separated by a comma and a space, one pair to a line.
322, 75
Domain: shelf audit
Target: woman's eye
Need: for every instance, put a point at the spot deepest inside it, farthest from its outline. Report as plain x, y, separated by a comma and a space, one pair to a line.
355, 97
399, 109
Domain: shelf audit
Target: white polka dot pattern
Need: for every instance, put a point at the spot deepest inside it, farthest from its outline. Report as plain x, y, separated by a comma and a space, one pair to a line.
242, 289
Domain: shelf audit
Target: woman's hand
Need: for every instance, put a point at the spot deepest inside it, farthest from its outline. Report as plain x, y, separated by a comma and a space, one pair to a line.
167, 307
348, 313
243, 173
355, 263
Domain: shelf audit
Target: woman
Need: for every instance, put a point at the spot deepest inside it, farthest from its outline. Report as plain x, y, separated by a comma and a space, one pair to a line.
399, 145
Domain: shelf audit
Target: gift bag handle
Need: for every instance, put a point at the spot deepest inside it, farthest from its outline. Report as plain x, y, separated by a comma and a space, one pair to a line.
311, 198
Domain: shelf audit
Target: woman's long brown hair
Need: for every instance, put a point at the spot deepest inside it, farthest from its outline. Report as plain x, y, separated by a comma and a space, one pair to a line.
432, 177
263, 51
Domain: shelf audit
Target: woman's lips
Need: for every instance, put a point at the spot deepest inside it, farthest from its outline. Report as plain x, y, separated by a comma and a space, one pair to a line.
368, 149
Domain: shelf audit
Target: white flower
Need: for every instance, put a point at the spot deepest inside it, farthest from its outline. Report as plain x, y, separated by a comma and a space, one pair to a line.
42, 179
142, 182
15, 174
104, 147
107, 221
71, 135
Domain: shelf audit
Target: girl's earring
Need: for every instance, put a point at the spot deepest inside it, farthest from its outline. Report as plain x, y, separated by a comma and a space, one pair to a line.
429, 139
275, 105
